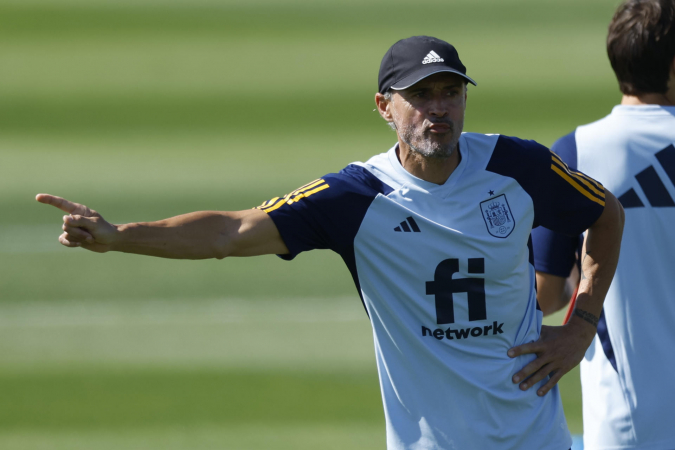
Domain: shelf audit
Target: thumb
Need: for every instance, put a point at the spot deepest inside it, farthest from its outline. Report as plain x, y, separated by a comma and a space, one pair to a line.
77, 221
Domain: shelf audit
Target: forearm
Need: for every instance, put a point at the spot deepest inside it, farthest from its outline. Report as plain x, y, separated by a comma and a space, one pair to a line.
559, 349
197, 235
600, 257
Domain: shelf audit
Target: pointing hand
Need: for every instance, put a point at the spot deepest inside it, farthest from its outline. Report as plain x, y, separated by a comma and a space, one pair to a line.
82, 227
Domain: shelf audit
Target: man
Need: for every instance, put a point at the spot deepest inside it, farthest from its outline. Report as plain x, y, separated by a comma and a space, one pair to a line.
435, 233
626, 376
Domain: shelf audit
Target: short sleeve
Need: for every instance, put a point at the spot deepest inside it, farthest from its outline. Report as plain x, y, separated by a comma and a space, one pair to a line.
326, 213
565, 200
556, 253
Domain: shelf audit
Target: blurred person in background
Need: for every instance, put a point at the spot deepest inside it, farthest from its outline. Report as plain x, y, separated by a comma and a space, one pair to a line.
627, 373
436, 234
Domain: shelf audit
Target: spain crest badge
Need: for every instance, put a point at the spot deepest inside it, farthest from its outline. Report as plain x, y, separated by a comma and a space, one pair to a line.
497, 216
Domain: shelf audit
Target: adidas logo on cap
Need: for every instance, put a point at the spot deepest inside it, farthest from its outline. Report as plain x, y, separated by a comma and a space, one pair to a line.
432, 57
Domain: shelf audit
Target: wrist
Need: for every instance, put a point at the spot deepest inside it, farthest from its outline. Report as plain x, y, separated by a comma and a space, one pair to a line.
586, 316
116, 236
584, 322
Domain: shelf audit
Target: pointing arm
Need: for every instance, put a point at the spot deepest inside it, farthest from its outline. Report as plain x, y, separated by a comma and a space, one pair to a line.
197, 235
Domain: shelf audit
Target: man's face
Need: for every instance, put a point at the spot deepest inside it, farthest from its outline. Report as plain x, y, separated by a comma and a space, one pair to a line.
429, 116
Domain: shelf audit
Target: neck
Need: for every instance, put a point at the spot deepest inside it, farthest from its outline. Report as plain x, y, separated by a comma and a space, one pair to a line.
667, 99
433, 170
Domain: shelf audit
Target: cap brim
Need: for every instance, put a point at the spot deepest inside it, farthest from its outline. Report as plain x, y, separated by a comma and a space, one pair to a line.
418, 76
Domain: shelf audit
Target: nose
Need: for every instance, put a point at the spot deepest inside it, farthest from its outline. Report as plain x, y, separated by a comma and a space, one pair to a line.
439, 106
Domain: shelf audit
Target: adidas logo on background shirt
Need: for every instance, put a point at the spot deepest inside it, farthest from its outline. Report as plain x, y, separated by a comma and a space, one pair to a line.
407, 229
651, 184
432, 57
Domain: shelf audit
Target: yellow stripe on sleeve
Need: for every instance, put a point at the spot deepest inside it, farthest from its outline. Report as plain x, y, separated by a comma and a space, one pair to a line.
563, 165
267, 203
277, 204
308, 193
298, 194
573, 182
306, 187
590, 182
581, 178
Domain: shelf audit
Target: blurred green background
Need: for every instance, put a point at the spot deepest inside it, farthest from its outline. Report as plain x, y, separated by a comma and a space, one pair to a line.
146, 109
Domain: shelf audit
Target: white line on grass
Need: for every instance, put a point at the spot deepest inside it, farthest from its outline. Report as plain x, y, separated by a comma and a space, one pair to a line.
46, 313
324, 334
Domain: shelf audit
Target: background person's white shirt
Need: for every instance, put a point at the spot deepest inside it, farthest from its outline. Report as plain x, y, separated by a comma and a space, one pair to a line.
627, 374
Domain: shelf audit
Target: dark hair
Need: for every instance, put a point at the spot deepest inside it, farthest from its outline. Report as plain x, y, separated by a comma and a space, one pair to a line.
641, 45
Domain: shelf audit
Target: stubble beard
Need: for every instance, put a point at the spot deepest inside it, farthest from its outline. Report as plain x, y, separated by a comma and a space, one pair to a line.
424, 145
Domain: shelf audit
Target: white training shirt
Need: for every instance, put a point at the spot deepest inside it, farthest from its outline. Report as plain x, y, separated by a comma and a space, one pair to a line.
627, 374
447, 278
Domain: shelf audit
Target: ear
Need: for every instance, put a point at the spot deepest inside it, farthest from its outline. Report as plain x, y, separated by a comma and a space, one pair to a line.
671, 83
383, 107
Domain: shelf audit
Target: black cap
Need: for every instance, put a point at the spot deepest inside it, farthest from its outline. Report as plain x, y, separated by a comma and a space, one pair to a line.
410, 60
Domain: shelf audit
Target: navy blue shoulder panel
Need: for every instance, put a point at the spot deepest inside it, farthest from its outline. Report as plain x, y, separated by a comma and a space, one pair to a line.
521, 160
327, 214
566, 148
524, 161
555, 253
558, 205
327, 218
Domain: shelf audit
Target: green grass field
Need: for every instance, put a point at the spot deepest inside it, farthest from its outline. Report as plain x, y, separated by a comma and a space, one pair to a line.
146, 109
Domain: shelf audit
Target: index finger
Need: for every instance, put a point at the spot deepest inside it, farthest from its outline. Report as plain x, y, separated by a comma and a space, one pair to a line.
61, 203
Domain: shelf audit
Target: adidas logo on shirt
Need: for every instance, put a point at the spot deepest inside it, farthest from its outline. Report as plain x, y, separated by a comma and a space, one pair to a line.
432, 57
407, 229
651, 183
